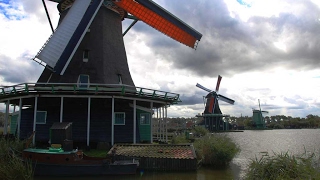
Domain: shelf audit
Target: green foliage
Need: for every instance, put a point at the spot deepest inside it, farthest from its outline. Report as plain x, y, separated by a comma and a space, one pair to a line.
216, 150
180, 139
283, 166
199, 131
96, 153
11, 165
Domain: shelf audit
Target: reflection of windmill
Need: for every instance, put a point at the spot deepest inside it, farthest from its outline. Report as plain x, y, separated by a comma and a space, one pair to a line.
258, 119
212, 113
87, 79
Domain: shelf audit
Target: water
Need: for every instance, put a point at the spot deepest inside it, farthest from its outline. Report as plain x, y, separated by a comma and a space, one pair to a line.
252, 143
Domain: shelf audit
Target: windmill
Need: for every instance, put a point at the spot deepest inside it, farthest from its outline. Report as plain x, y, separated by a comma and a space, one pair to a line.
212, 113
257, 117
86, 79
88, 44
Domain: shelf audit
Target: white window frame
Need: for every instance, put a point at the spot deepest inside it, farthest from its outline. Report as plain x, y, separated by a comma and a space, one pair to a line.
120, 78
146, 115
81, 85
45, 117
85, 55
124, 118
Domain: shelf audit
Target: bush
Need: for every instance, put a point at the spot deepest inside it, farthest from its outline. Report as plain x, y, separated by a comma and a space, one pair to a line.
199, 131
216, 150
179, 139
11, 165
283, 166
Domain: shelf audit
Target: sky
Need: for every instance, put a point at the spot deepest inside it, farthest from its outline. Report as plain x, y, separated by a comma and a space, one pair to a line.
264, 50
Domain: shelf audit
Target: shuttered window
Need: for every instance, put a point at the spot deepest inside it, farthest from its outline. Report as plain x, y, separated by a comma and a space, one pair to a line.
119, 118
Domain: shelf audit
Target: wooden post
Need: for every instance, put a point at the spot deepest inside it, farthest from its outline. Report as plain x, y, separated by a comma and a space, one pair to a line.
61, 109
19, 118
134, 121
6, 118
35, 119
166, 123
151, 127
112, 122
88, 125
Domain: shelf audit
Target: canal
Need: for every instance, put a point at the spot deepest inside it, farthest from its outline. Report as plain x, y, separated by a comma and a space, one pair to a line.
251, 142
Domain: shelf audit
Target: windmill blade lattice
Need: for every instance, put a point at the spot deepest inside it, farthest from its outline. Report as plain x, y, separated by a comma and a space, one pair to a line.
60, 48
160, 19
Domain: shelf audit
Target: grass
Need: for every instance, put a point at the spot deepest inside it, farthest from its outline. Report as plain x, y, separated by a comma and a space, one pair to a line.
284, 166
11, 165
216, 150
96, 153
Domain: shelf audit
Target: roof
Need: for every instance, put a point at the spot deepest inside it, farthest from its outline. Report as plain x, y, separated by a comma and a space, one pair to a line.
177, 151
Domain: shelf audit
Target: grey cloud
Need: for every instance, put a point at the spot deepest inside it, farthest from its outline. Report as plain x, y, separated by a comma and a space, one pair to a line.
230, 46
19, 70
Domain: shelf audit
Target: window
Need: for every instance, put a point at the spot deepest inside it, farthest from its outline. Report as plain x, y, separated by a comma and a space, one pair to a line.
41, 117
144, 119
119, 118
85, 55
83, 81
120, 78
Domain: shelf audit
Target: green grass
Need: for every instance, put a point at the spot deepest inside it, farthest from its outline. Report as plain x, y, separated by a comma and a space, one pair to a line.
96, 153
216, 150
11, 165
284, 166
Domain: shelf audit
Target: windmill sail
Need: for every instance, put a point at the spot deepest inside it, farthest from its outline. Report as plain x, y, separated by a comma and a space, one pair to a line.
218, 83
59, 50
225, 99
160, 19
202, 87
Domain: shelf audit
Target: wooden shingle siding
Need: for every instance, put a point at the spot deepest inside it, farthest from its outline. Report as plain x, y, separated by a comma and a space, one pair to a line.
75, 110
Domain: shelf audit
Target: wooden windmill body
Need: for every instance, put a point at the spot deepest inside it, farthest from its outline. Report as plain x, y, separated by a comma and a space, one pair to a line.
87, 80
212, 115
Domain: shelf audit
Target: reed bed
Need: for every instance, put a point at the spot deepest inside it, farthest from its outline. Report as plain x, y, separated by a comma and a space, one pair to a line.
11, 165
284, 166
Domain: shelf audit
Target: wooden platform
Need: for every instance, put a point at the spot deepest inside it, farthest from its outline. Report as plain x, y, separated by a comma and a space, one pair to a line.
163, 157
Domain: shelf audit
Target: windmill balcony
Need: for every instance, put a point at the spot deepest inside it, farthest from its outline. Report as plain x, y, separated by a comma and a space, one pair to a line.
8, 92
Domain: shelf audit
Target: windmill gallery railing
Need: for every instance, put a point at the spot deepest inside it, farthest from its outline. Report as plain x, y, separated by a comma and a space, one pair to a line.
86, 89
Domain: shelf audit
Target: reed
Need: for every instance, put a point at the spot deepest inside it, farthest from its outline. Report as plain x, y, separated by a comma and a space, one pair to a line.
284, 166
180, 139
216, 150
11, 165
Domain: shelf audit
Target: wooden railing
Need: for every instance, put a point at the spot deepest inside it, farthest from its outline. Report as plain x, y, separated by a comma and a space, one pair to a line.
96, 89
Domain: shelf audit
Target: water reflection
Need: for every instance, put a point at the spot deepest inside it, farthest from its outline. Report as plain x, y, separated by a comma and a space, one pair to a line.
251, 144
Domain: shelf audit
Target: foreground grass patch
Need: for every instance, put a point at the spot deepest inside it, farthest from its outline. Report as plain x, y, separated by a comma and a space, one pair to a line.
11, 165
284, 166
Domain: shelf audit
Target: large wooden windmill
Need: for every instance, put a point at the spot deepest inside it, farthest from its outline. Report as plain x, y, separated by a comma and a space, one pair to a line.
89, 39
257, 117
212, 113
87, 79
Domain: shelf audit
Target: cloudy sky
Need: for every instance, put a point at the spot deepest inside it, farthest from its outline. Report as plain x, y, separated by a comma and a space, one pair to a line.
267, 50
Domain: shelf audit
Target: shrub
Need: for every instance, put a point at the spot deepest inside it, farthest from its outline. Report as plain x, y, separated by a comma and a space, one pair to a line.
179, 139
283, 166
216, 150
199, 131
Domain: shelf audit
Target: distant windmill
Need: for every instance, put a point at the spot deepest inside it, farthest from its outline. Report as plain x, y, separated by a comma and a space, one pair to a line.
257, 117
212, 113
